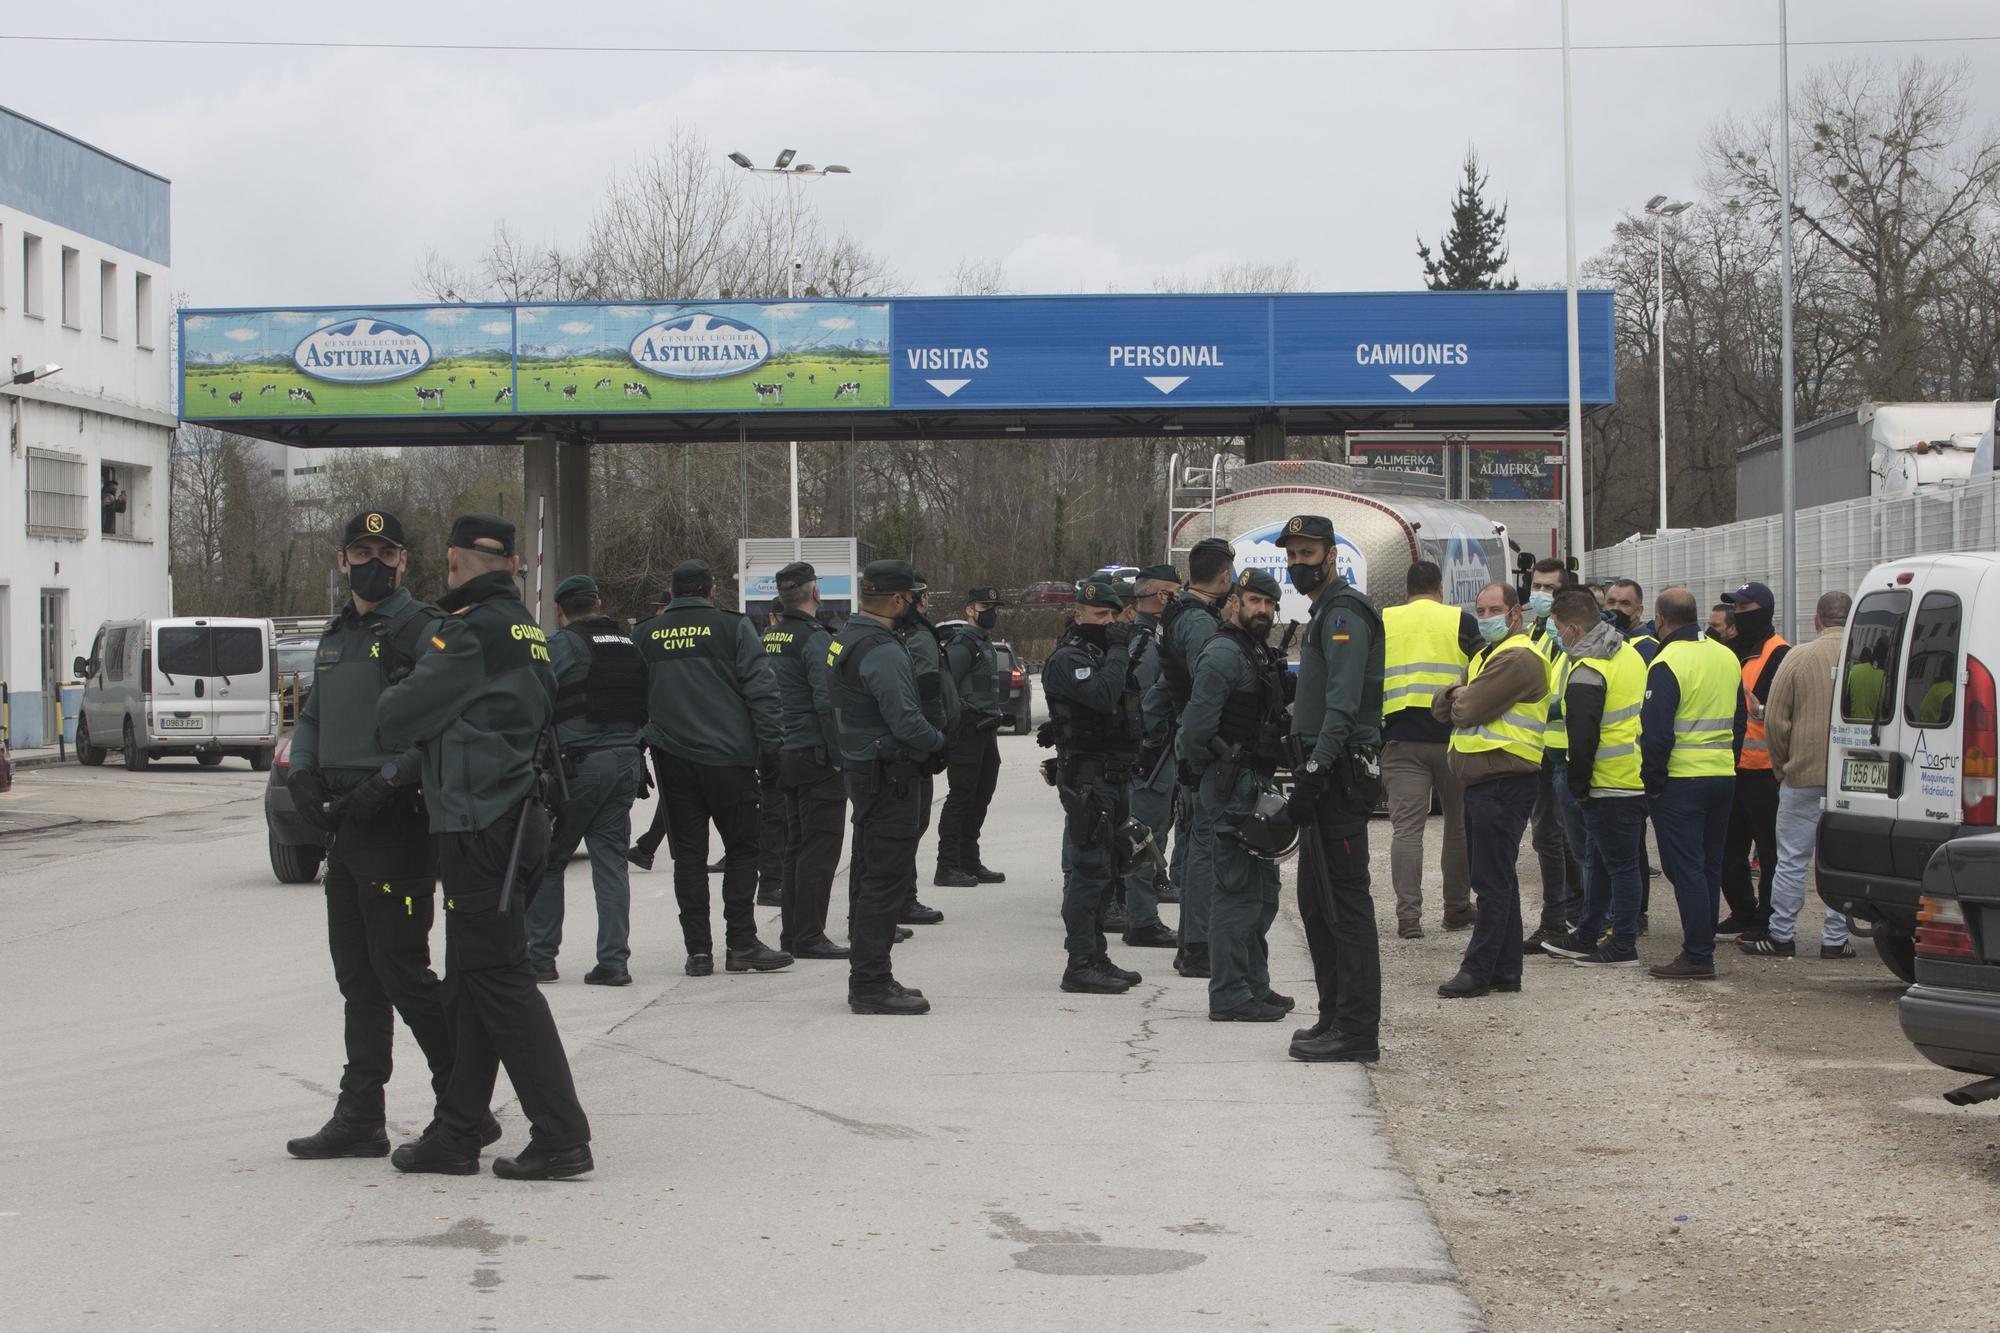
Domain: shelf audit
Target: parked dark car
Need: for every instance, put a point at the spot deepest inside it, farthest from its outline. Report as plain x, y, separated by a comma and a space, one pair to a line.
297, 848
295, 659
1952, 1014
1050, 592
1017, 690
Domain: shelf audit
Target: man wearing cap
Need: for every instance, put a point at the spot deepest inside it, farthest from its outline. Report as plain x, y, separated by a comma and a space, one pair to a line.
812, 799
600, 706
381, 867
713, 720
886, 743
1753, 811
1152, 795
1186, 626
974, 768
1337, 731
1233, 736
1095, 724
771, 798
478, 704
938, 697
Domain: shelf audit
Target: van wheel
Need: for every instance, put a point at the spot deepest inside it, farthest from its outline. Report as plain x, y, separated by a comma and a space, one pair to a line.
261, 759
135, 757
294, 865
86, 754
208, 760
1898, 953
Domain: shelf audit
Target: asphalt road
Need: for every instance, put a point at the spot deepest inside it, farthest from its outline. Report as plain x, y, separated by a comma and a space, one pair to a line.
1019, 1158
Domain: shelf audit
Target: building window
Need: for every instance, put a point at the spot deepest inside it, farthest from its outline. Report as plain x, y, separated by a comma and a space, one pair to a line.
142, 309
72, 288
107, 298
56, 498
31, 275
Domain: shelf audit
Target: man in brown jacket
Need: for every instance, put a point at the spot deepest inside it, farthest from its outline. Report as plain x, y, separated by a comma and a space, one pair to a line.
1497, 714
1796, 719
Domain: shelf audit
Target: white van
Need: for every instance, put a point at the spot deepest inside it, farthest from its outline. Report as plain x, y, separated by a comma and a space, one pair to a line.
1911, 753
205, 687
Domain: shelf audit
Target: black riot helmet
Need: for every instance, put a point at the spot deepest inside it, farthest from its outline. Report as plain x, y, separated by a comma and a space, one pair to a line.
1264, 829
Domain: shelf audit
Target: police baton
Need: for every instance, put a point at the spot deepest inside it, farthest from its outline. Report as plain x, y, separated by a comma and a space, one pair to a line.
549, 745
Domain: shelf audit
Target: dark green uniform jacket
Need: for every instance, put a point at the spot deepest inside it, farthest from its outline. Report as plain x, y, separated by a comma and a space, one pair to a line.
936, 692
1236, 697
796, 647
974, 671
1092, 698
336, 733
712, 698
476, 704
874, 694
604, 711
1184, 631
1340, 674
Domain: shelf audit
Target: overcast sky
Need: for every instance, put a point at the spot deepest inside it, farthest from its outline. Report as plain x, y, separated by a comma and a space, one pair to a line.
317, 176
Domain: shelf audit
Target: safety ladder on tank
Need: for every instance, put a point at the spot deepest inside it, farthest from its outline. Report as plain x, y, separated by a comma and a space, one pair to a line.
1191, 493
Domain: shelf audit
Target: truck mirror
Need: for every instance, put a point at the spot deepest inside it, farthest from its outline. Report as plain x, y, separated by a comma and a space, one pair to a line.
1524, 563
81, 667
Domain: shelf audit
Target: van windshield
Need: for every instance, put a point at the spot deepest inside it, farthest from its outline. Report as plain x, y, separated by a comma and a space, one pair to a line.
210, 650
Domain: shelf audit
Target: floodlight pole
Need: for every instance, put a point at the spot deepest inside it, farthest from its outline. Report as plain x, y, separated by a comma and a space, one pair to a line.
1573, 445
1660, 210
1788, 461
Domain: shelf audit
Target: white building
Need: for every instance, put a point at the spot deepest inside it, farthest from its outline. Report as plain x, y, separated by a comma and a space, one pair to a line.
84, 284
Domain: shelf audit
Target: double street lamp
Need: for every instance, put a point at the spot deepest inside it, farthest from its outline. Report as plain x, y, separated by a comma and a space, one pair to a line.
1662, 211
791, 173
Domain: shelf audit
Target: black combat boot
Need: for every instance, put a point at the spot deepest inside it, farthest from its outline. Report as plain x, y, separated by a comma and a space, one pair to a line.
1084, 976
340, 1137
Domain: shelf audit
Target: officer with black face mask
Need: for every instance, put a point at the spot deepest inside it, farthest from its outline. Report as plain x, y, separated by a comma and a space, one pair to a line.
974, 769
381, 869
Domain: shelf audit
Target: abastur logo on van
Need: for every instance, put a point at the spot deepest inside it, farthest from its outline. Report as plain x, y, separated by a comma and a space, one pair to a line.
362, 351
699, 346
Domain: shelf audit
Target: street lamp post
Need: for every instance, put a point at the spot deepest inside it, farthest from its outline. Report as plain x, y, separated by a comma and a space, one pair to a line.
1661, 211
1787, 444
1573, 445
785, 168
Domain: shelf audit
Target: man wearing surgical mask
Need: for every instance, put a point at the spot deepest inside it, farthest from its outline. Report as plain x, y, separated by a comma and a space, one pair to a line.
1562, 873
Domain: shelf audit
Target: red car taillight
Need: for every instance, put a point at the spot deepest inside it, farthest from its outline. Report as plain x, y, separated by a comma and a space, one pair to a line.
1017, 677
1941, 931
1979, 769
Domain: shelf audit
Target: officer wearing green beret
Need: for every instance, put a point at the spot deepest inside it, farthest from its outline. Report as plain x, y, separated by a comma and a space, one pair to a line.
1152, 795
381, 867
886, 742
600, 706
714, 723
478, 706
1186, 626
1337, 725
937, 694
812, 797
1096, 729
1232, 735
973, 770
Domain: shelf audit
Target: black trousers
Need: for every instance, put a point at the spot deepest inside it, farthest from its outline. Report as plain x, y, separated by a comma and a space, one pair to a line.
973, 773
380, 878
496, 1010
1753, 822
695, 796
926, 788
1339, 917
886, 833
772, 843
1496, 812
656, 833
815, 810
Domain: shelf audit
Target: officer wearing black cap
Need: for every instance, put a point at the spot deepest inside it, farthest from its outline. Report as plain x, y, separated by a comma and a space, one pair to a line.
973, 770
812, 801
938, 697
1152, 794
381, 868
478, 705
886, 744
714, 724
1337, 731
1097, 730
600, 706
1186, 626
770, 794
1233, 736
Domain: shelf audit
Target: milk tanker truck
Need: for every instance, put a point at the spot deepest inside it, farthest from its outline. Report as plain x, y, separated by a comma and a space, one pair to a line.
1383, 522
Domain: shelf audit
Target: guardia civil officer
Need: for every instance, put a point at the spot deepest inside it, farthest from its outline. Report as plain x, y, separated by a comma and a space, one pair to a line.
939, 699
600, 706
1337, 723
974, 770
1152, 794
886, 742
813, 799
478, 705
712, 716
771, 802
1095, 726
1186, 626
381, 868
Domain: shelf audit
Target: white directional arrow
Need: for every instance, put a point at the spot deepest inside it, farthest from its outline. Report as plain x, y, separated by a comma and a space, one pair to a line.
1166, 383
947, 387
1413, 382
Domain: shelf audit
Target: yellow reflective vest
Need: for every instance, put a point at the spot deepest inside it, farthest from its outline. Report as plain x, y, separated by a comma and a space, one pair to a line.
1519, 730
1616, 766
1705, 724
1421, 656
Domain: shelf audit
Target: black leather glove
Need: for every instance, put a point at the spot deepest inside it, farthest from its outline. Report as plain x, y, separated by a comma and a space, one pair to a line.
1308, 783
938, 760
767, 767
366, 801
1117, 634
1185, 775
309, 798
1148, 760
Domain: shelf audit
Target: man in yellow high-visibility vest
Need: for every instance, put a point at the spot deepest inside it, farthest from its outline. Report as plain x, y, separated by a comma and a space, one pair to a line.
1687, 760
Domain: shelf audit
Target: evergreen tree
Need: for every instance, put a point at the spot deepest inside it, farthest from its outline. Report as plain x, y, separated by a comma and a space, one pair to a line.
1470, 255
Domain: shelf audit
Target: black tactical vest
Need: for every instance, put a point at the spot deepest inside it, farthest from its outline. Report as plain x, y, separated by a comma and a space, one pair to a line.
1254, 720
856, 707
613, 693
1085, 731
1179, 674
